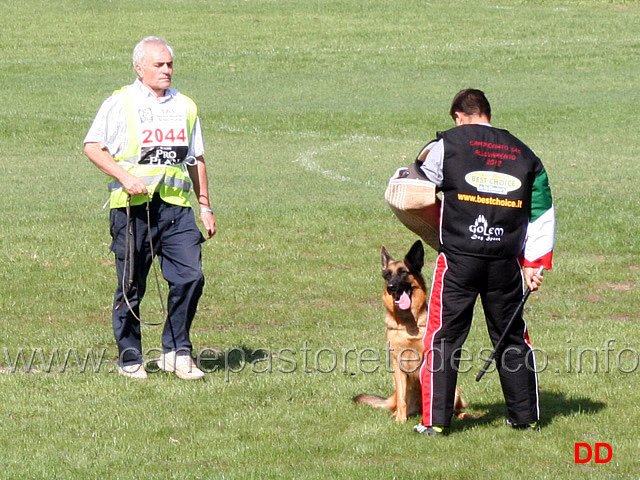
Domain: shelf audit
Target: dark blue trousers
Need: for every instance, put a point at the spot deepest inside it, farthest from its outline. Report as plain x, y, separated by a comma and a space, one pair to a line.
177, 244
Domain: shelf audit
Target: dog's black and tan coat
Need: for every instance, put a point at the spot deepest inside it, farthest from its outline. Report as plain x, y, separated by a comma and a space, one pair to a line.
405, 300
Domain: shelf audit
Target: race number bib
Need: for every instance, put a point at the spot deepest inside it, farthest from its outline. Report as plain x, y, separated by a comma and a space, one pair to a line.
163, 134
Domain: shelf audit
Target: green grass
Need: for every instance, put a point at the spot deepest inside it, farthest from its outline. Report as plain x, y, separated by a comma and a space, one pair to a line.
308, 108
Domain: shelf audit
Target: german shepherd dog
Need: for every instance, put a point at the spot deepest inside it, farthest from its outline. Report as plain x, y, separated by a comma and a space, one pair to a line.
405, 299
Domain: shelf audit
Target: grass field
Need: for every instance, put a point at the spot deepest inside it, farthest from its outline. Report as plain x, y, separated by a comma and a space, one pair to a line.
308, 108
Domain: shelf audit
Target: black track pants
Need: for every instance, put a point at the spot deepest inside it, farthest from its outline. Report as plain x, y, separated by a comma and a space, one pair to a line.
457, 282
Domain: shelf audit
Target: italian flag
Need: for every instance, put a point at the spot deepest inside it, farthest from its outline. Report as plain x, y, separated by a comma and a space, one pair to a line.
538, 245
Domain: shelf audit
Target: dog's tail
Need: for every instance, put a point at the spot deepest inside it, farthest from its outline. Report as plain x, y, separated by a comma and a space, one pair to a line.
376, 401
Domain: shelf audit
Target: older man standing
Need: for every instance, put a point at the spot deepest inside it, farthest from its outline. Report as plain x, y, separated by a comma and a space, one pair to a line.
147, 138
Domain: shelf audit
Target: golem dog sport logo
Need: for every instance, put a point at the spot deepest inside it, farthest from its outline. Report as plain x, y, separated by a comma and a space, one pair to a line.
492, 182
480, 230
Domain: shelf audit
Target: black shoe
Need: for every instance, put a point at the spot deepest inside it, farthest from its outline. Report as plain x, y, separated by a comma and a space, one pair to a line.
524, 426
432, 431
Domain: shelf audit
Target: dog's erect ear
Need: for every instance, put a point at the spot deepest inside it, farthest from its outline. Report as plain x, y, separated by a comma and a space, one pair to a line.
385, 257
415, 258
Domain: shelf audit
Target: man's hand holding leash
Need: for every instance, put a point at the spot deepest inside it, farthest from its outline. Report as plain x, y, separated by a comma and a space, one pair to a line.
133, 185
533, 277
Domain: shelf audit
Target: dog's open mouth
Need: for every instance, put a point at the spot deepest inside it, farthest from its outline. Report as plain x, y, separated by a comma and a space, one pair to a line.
404, 301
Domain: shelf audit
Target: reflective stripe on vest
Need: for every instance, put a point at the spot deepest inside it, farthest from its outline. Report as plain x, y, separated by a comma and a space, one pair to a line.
171, 182
175, 182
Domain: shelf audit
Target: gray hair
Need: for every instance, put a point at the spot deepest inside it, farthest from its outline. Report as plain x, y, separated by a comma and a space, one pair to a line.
139, 50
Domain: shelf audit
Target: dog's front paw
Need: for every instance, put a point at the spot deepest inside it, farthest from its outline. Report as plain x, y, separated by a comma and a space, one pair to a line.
400, 417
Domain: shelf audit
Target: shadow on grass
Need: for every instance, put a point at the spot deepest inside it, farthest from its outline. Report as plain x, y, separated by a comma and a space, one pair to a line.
552, 405
233, 359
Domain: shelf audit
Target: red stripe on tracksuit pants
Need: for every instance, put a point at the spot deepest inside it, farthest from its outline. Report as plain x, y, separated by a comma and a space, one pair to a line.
457, 282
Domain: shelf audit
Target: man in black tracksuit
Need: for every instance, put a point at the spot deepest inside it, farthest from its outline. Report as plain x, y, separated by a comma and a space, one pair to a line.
497, 227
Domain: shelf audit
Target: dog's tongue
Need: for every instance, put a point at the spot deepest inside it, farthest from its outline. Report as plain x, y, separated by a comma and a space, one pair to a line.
404, 303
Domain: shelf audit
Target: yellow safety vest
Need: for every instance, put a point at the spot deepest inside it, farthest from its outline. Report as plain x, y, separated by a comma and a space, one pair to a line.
171, 182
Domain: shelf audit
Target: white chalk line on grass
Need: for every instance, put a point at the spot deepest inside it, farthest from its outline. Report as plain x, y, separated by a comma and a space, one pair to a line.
308, 162
308, 159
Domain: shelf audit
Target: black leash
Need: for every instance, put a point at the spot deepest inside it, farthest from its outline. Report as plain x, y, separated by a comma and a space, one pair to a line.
506, 330
127, 273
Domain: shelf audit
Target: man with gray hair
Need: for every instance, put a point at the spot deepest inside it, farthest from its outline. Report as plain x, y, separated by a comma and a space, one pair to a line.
147, 138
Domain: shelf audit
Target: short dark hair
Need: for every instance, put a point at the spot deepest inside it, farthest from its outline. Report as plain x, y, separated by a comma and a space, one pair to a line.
470, 102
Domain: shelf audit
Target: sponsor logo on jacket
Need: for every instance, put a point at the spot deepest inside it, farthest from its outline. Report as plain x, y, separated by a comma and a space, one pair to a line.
492, 182
480, 230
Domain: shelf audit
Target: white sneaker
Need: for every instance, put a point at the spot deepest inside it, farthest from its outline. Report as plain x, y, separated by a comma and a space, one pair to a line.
182, 365
136, 371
